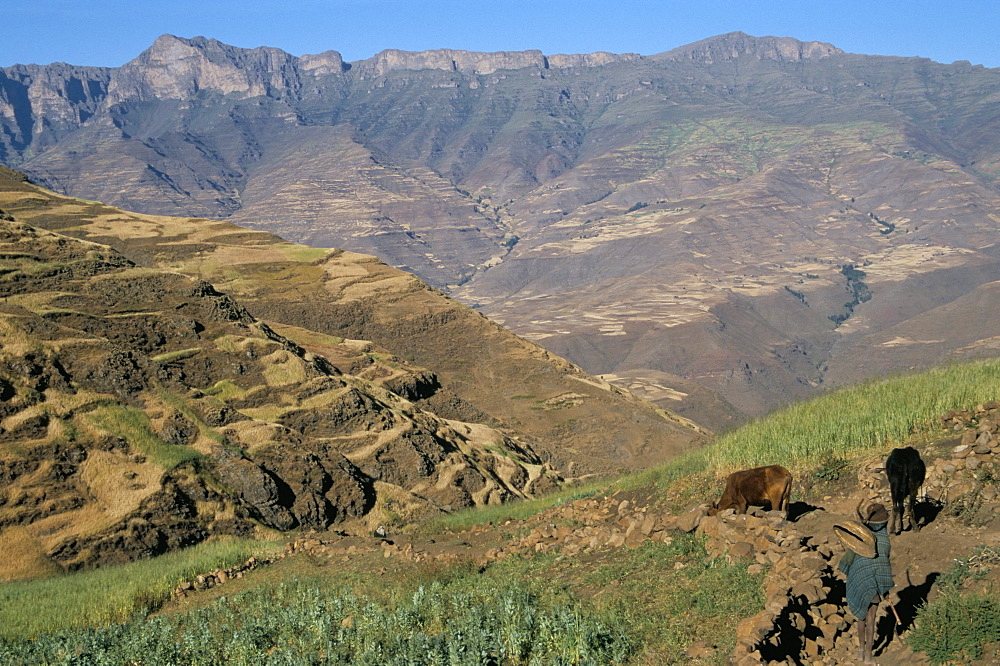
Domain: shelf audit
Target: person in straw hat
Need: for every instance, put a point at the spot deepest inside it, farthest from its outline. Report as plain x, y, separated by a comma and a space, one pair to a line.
869, 573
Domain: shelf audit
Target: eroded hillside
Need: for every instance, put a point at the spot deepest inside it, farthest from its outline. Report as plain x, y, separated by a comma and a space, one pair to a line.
144, 409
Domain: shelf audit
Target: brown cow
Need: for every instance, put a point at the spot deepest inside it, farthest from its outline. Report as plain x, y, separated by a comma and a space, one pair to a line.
756, 487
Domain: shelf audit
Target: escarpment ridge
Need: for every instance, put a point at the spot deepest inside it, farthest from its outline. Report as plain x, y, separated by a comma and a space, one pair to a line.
725, 226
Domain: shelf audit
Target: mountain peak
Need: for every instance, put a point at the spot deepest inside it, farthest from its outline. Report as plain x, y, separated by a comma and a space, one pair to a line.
733, 45
327, 62
177, 68
168, 46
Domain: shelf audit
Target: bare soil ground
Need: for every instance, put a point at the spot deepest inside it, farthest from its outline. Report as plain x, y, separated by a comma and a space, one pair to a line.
919, 558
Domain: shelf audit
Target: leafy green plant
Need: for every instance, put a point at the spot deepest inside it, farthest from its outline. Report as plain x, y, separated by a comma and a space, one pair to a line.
675, 595
460, 622
959, 624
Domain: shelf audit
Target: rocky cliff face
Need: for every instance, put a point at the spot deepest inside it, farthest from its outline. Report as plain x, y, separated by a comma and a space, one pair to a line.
174, 68
736, 45
681, 222
448, 60
41, 104
477, 63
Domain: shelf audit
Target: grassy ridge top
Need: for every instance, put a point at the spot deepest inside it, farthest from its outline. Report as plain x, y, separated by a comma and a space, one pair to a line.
843, 425
872, 415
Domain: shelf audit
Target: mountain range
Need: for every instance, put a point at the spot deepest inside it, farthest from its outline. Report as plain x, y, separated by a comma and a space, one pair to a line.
721, 228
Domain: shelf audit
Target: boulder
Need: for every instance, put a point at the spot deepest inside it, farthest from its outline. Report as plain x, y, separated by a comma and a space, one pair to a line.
688, 522
741, 550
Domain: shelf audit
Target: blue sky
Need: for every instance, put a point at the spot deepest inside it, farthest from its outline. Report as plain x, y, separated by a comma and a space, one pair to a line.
111, 32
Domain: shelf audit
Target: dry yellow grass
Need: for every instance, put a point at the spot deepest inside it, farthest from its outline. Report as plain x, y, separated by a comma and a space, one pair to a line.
269, 413
15, 341
176, 355
392, 507
117, 483
39, 301
305, 337
322, 399
226, 390
355, 277
23, 556
57, 528
282, 368
253, 435
127, 274
236, 344
17, 419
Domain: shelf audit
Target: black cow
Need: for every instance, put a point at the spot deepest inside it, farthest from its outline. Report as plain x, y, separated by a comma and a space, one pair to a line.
906, 472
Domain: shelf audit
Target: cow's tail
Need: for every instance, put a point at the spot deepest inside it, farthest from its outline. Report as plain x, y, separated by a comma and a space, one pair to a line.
902, 474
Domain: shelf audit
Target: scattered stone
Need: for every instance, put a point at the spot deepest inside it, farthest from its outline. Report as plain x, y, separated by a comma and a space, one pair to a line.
741, 550
689, 521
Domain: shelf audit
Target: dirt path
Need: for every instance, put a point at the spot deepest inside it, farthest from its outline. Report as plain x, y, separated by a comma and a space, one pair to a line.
918, 560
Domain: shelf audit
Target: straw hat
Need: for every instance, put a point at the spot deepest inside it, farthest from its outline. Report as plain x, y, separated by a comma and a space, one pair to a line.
857, 537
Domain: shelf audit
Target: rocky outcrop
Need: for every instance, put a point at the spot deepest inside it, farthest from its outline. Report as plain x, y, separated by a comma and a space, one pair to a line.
467, 62
596, 59
256, 488
478, 63
322, 486
963, 479
40, 104
321, 64
735, 45
177, 68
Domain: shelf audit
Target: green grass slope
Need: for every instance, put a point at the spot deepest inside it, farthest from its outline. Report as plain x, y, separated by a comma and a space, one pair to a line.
649, 605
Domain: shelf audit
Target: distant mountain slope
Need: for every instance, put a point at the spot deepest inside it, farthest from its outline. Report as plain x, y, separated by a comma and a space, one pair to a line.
675, 220
462, 364
142, 409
